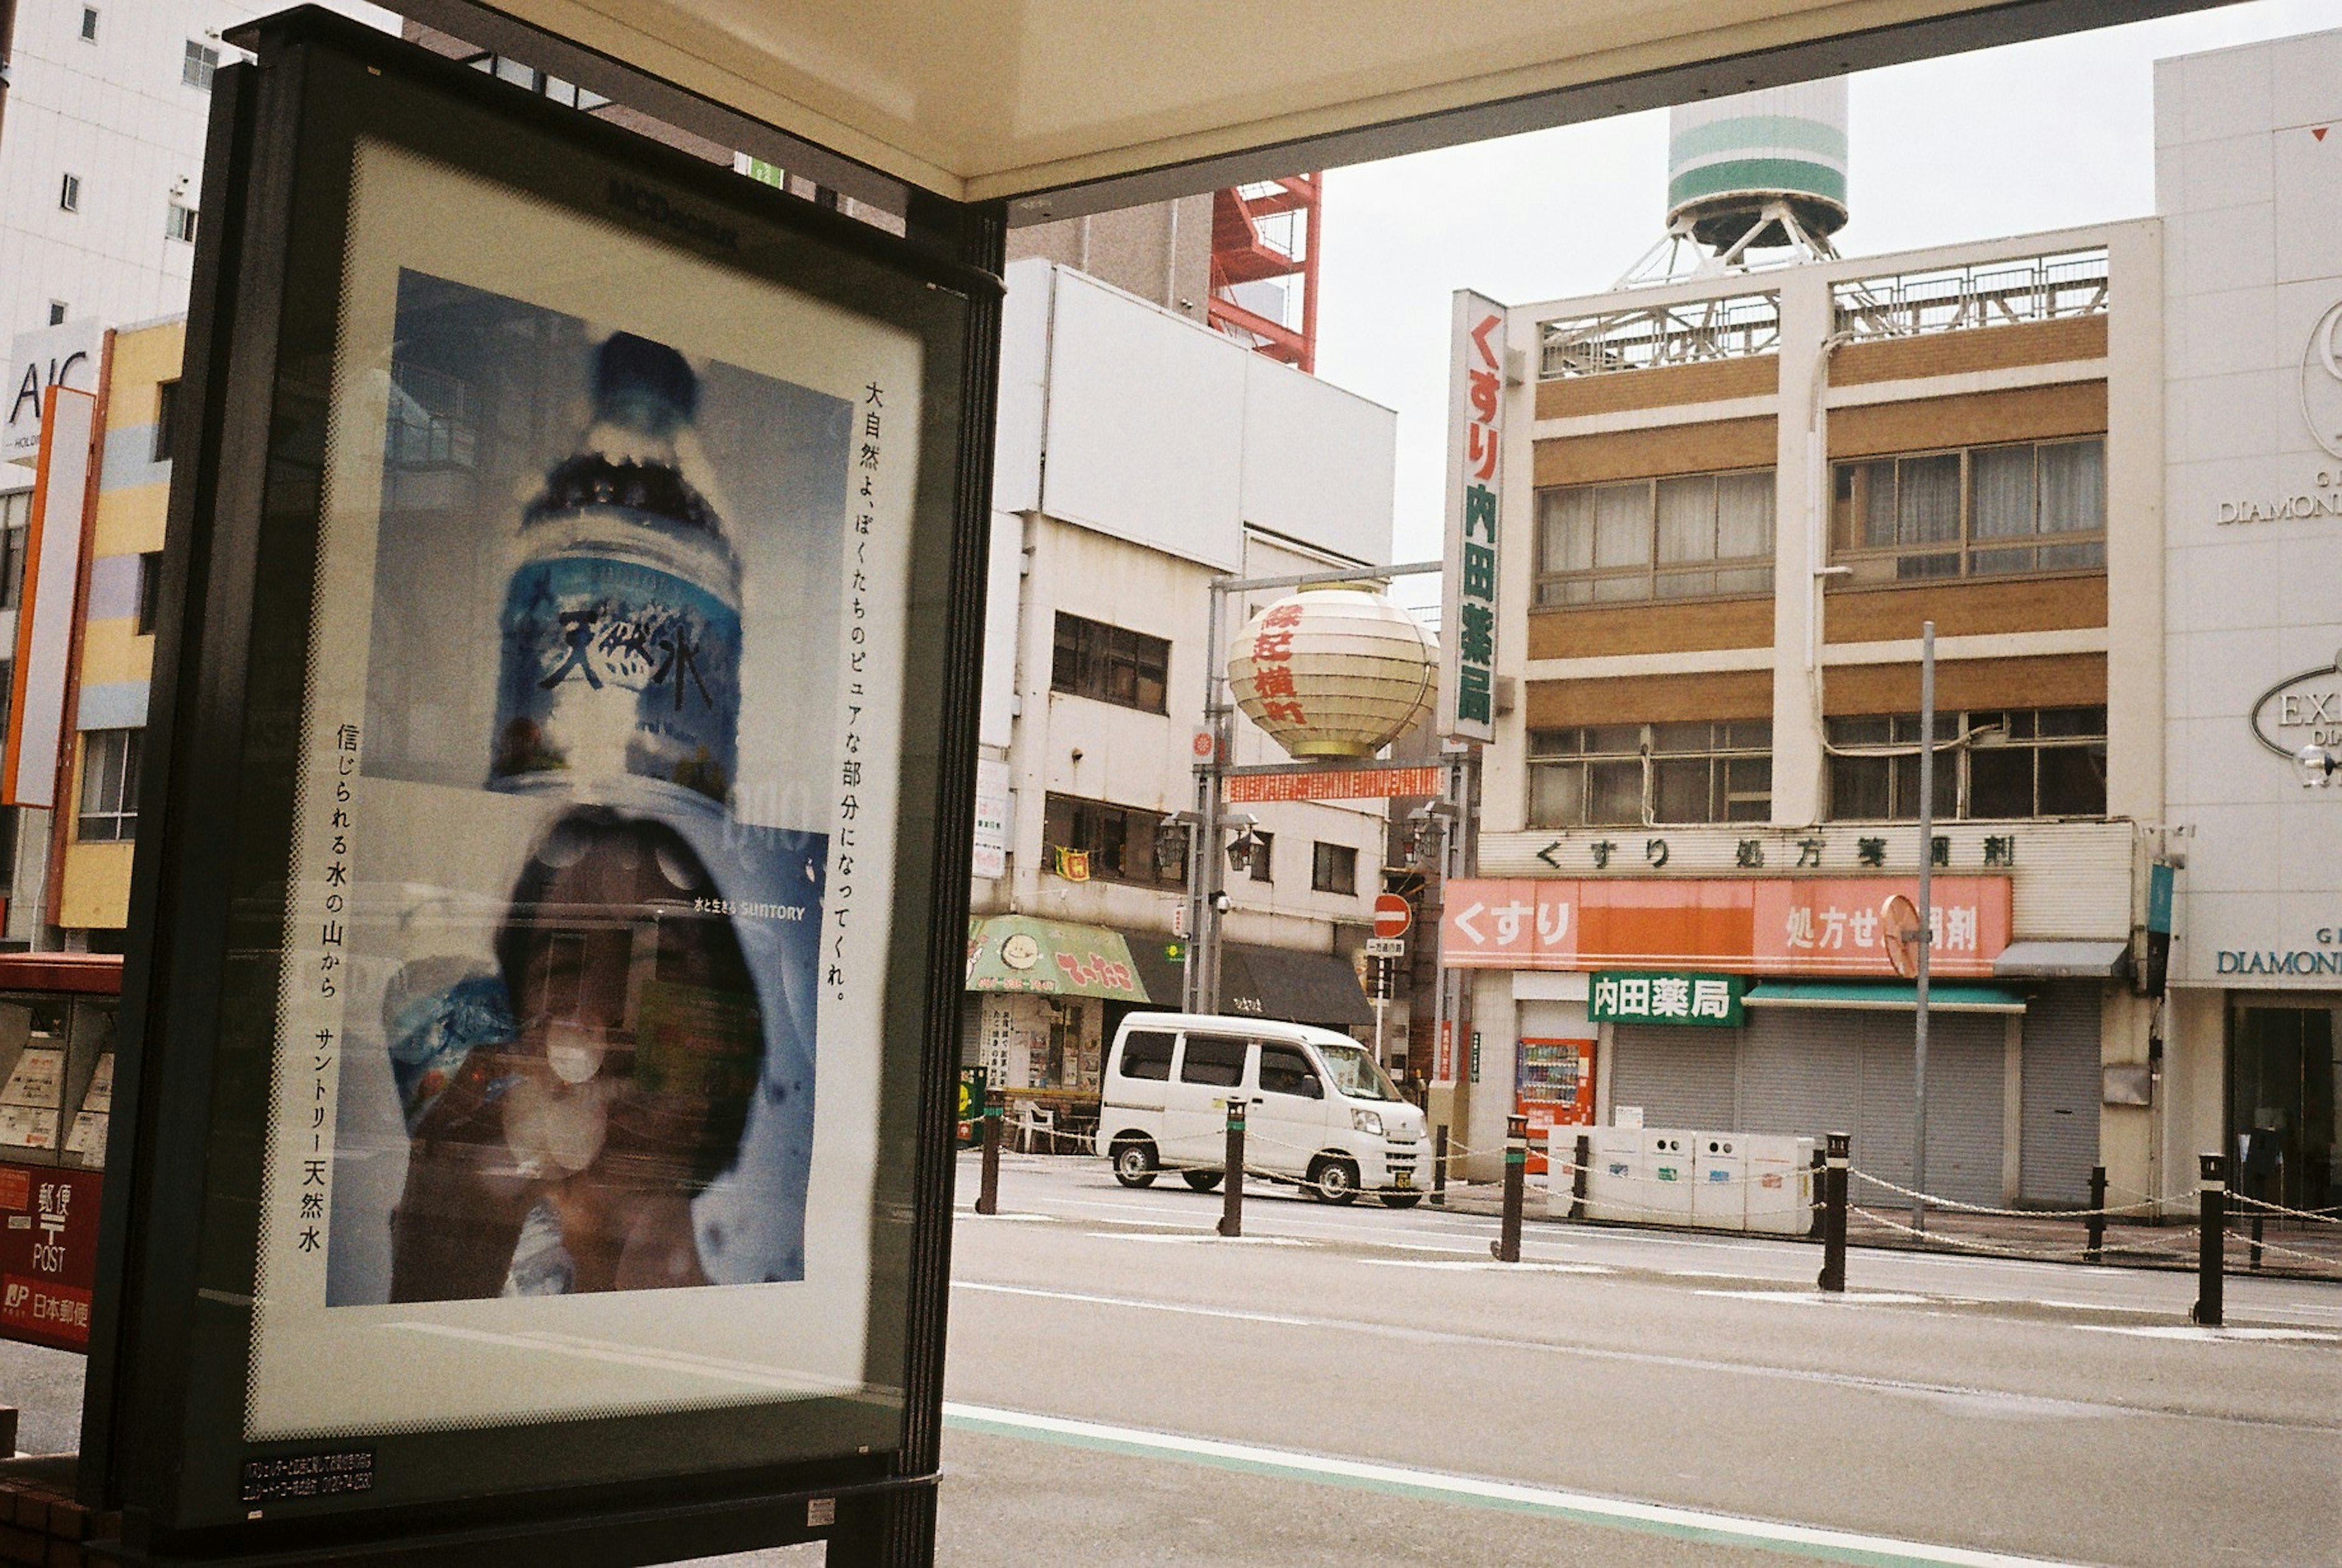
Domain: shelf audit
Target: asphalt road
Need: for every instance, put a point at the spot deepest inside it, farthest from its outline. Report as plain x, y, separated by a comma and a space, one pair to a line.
1367, 1386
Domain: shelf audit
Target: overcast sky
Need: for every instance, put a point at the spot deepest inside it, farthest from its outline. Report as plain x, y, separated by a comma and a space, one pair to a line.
2007, 141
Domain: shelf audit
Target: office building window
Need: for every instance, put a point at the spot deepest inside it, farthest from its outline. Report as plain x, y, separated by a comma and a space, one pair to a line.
1995, 764
89, 23
15, 521
1110, 664
1120, 844
109, 785
197, 68
1623, 775
150, 590
69, 194
1334, 868
1696, 535
179, 223
166, 420
1979, 512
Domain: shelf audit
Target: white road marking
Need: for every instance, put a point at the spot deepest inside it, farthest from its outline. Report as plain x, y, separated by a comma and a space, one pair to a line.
1690, 1523
1234, 1313
1184, 1238
1488, 1266
970, 1214
1825, 1298
2202, 1335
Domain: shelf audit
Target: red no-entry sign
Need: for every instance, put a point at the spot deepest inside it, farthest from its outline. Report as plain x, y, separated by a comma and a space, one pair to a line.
1392, 915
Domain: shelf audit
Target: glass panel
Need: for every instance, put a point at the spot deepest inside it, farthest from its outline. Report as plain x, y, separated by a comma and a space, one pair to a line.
2001, 478
1747, 789
1286, 1071
1622, 526
1861, 730
1857, 788
1744, 734
1615, 740
1744, 515
1947, 564
2074, 781
2073, 558
2073, 721
1682, 791
1556, 795
1948, 785
1613, 794
1566, 525
1146, 1056
1685, 584
2000, 781
1614, 589
1750, 580
1993, 562
1927, 509
1687, 519
1553, 743
1682, 738
2074, 487
1213, 1060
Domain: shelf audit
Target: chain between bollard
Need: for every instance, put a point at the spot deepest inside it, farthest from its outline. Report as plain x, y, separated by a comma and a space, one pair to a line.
1837, 1156
987, 1196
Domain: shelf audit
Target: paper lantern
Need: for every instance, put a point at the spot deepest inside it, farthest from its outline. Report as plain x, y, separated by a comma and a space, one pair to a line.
1334, 672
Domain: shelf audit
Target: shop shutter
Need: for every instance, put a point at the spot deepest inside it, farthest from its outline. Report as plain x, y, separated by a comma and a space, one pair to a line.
1801, 1072
2061, 1093
1680, 1077
1966, 1080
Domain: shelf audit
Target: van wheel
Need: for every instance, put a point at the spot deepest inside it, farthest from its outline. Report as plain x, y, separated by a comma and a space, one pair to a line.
1334, 1181
1202, 1180
1401, 1200
1133, 1163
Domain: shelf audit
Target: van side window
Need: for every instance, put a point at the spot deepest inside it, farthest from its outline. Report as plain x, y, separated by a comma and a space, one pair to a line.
1146, 1056
1285, 1070
1214, 1061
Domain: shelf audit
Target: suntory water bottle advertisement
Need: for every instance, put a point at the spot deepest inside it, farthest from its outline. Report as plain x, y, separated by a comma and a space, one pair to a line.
575, 1101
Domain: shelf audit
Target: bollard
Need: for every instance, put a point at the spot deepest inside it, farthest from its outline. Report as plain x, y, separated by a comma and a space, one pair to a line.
1835, 1160
1577, 1178
1439, 1166
987, 1196
1507, 1245
1232, 1189
2211, 1234
2097, 1220
1820, 1181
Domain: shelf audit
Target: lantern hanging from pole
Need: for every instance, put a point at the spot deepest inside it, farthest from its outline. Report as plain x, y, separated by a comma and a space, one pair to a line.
1334, 672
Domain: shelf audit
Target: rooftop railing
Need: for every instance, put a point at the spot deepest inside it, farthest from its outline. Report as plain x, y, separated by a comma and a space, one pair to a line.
1732, 327
1962, 299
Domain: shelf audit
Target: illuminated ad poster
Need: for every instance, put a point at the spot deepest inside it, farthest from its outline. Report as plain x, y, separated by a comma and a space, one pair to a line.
583, 1011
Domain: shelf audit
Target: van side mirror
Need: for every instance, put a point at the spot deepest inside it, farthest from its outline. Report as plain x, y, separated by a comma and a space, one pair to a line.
1311, 1089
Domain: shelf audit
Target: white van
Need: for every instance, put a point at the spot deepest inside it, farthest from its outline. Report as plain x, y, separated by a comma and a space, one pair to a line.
1319, 1110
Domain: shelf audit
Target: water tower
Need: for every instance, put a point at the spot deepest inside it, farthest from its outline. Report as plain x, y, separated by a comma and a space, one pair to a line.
1762, 171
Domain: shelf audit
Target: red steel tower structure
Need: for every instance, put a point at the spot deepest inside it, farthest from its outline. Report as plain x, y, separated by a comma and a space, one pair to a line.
1268, 233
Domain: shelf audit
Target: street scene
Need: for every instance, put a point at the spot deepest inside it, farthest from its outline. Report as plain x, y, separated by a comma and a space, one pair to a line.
998, 788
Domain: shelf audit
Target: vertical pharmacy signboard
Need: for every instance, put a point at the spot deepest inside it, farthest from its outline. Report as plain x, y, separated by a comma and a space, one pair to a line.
569, 1046
1476, 401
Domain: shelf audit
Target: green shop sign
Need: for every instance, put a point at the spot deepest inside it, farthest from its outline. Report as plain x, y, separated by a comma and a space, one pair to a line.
1655, 997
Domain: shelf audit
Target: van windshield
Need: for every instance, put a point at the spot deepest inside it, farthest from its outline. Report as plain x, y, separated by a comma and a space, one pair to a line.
1355, 1074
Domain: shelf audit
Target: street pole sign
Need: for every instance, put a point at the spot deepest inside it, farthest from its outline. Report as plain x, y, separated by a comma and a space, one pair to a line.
423, 1238
1393, 915
1385, 946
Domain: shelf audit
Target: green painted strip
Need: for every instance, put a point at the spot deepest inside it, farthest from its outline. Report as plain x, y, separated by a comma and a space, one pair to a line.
1789, 133
1758, 175
1393, 1481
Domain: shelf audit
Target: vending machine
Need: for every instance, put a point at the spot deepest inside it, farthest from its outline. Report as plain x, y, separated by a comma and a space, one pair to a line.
1554, 1081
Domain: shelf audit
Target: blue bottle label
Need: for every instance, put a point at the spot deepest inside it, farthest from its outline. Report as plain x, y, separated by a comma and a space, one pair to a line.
609, 667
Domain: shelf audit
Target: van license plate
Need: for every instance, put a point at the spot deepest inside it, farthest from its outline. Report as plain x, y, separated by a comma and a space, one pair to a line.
1402, 1180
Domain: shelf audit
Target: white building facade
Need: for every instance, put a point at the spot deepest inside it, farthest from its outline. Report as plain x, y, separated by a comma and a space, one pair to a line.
2248, 172
1140, 457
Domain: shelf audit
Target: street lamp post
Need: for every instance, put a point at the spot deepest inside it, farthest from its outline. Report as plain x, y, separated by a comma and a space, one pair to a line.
1926, 922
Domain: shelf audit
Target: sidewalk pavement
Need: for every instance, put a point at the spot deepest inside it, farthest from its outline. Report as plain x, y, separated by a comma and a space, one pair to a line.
2303, 1249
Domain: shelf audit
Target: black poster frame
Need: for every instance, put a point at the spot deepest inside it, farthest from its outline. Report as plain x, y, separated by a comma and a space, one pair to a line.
162, 1437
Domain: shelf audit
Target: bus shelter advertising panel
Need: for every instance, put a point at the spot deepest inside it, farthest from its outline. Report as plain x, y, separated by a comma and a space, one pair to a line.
567, 1049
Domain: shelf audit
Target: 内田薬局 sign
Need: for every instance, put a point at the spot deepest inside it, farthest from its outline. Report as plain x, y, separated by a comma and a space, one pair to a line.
1713, 1000
1467, 645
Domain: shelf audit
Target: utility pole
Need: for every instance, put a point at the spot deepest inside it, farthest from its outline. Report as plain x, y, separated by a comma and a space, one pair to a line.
1927, 921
